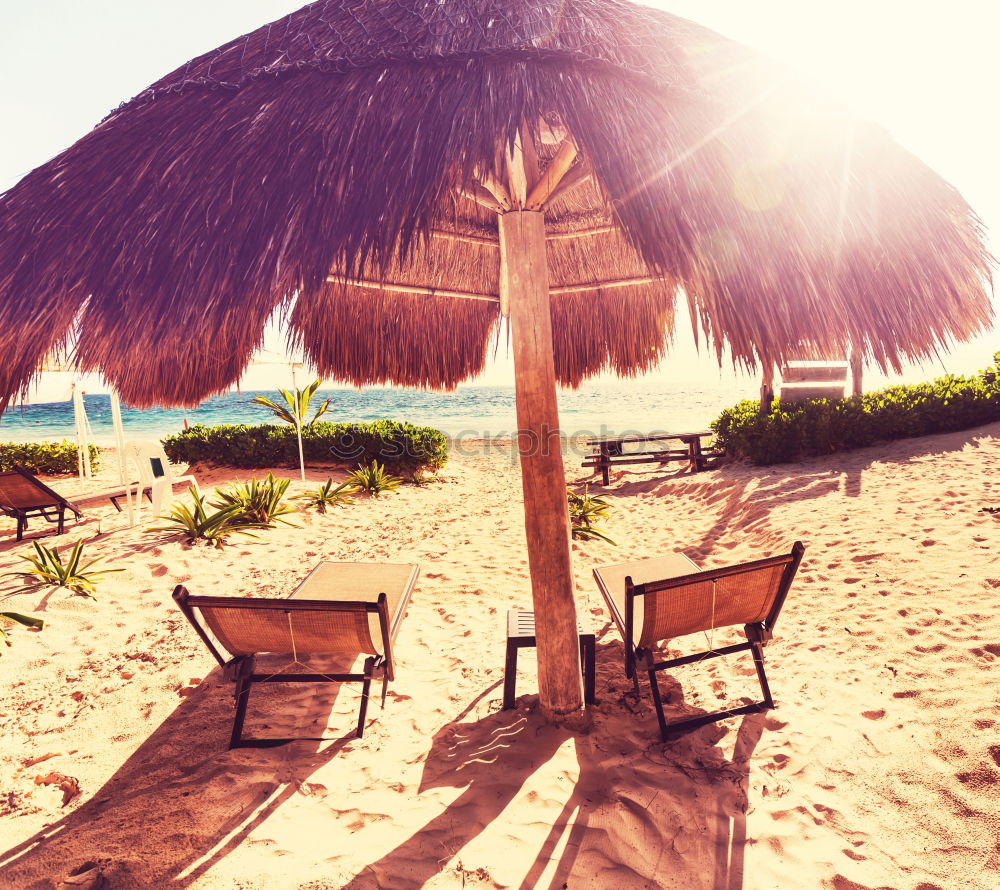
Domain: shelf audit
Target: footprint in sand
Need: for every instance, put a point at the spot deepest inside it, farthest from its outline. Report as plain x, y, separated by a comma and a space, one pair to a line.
450, 619
987, 652
158, 569
874, 715
982, 779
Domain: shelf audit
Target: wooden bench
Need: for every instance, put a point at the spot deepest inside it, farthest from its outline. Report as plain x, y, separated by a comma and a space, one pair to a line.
609, 451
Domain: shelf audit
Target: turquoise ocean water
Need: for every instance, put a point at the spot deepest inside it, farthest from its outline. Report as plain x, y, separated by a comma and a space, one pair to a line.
471, 411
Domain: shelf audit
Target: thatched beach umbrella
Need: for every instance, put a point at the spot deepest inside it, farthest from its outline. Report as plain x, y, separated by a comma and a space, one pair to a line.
397, 175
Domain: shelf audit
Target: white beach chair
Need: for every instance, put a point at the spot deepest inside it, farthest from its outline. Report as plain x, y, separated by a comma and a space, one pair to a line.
155, 471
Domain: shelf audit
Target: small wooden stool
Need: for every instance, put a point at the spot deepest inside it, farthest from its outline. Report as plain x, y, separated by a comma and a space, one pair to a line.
521, 634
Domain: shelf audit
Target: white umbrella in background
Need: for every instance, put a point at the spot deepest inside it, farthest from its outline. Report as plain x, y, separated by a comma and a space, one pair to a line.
84, 467
63, 384
116, 419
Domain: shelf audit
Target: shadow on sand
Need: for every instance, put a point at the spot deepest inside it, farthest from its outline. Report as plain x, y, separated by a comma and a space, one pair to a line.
675, 812
181, 802
750, 495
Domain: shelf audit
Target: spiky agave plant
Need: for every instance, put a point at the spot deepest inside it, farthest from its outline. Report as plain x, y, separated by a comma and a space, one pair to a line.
260, 501
374, 479
16, 618
198, 524
329, 495
49, 570
296, 405
584, 510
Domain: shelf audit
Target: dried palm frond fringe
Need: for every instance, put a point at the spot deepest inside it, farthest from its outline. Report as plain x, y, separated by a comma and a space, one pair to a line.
333, 144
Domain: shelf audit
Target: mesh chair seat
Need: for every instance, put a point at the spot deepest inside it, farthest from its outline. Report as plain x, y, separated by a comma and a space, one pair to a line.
351, 609
659, 599
277, 630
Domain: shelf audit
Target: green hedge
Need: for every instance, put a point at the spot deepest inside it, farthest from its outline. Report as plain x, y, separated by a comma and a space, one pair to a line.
47, 458
795, 430
401, 447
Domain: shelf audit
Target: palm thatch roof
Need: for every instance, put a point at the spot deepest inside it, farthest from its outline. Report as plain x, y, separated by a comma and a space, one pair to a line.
336, 167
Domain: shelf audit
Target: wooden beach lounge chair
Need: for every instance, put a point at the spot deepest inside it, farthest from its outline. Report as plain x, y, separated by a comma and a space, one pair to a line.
349, 609
659, 599
23, 496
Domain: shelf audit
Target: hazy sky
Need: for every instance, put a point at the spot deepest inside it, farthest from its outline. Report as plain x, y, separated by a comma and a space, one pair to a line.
924, 70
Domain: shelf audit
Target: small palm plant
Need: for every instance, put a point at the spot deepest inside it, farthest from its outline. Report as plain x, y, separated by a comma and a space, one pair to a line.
215, 528
373, 479
584, 510
296, 405
49, 570
329, 495
261, 502
16, 618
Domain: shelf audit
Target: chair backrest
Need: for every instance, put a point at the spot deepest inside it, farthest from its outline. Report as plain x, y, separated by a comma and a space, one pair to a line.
751, 593
252, 625
150, 459
20, 490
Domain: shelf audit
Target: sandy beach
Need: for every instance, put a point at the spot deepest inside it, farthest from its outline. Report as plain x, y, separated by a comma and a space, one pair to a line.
879, 768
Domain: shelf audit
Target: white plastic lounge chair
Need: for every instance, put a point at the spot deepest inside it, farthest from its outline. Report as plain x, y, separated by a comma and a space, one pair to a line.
156, 472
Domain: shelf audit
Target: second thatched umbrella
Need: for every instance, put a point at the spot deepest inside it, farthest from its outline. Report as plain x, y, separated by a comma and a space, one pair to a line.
395, 176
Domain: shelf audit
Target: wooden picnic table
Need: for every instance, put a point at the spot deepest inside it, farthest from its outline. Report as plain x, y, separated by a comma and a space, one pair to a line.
609, 451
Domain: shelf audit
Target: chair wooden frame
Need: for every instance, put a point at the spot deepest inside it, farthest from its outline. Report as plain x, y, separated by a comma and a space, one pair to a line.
758, 634
53, 512
240, 668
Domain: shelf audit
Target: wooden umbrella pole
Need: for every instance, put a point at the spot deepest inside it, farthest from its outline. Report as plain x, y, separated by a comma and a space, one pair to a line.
546, 516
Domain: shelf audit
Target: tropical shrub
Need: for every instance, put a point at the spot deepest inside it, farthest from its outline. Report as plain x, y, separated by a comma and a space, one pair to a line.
584, 510
47, 458
373, 479
259, 502
197, 524
329, 495
6, 618
48, 570
793, 430
400, 447
296, 405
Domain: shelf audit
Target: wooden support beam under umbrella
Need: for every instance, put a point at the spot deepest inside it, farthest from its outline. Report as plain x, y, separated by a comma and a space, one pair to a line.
524, 294
393, 177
